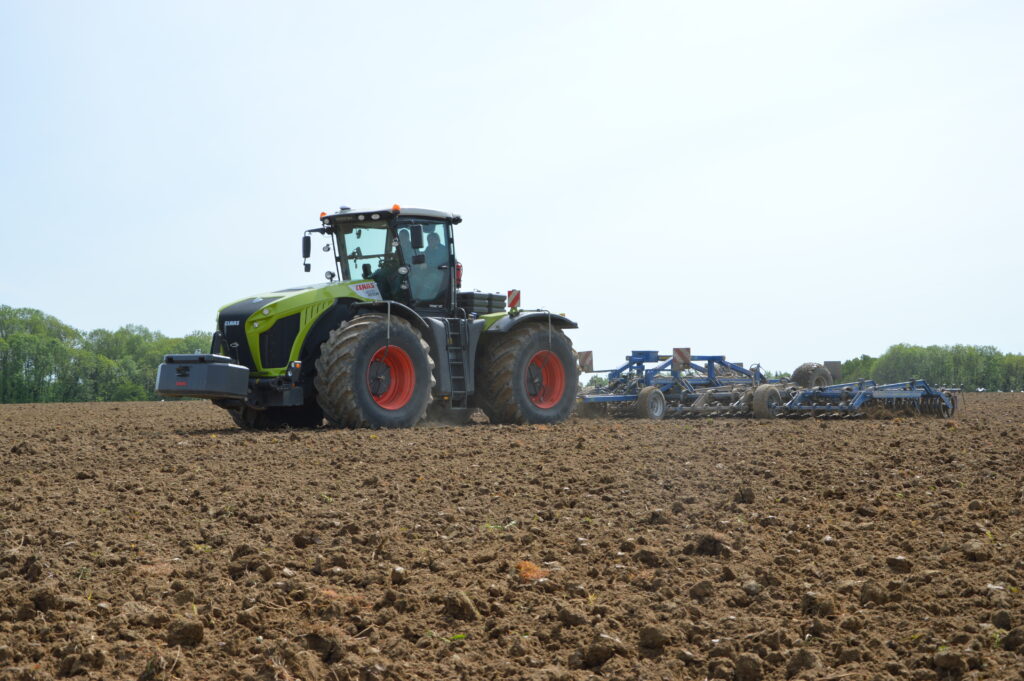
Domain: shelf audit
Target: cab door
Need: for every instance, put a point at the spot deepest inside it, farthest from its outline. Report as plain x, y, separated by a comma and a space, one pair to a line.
430, 274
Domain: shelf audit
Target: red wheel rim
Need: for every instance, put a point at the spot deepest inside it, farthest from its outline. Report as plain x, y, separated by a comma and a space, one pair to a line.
391, 377
545, 379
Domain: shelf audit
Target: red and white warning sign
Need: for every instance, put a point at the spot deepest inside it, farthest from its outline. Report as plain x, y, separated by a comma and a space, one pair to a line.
513, 298
586, 361
680, 359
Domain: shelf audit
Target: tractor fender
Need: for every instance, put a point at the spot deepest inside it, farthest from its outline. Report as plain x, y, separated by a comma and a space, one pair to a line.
432, 333
396, 309
509, 322
343, 310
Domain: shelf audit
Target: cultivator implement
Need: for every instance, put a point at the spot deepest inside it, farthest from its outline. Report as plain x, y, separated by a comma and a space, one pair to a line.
652, 385
914, 397
655, 386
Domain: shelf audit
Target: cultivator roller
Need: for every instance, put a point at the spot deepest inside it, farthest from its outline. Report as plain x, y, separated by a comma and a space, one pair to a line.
681, 385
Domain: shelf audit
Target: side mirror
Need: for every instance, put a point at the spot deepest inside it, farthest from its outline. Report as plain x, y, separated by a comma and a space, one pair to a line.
367, 270
417, 237
307, 246
306, 266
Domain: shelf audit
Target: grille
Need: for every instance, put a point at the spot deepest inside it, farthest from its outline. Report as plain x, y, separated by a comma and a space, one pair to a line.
276, 342
238, 347
234, 333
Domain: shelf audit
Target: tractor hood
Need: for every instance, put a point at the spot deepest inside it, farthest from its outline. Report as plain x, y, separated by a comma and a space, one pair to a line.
266, 327
359, 289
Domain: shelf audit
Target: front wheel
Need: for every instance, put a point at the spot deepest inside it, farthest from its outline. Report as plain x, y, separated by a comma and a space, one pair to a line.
527, 375
371, 375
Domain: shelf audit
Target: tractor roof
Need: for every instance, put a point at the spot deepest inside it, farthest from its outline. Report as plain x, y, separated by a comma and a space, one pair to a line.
347, 215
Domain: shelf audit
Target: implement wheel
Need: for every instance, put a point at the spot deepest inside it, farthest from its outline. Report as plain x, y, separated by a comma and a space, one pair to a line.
650, 404
767, 402
944, 411
365, 379
812, 375
526, 375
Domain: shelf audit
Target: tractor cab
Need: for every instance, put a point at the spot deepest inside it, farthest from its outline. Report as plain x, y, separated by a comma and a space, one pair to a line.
404, 255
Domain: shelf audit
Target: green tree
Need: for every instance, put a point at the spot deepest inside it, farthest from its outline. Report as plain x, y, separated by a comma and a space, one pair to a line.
44, 360
861, 367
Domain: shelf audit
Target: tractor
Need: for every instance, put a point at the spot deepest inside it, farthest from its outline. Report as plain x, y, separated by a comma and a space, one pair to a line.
388, 340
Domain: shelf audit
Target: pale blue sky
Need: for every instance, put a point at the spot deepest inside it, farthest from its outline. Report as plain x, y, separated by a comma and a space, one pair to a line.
778, 182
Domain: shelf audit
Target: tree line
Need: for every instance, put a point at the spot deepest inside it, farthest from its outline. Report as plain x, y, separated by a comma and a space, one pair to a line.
45, 360
969, 366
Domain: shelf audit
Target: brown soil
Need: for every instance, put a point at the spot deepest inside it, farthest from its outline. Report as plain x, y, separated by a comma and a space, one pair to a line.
156, 541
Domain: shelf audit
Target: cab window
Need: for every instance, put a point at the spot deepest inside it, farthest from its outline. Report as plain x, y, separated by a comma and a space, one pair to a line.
429, 271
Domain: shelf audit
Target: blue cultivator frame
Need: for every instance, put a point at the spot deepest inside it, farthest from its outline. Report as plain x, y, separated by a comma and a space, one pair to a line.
625, 382
654, 386
849, 399
692, 386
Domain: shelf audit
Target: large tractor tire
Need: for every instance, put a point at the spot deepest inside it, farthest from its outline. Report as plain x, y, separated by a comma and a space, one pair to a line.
527, 375
767, 402
812, 375
650, 404
365, 379
307, 416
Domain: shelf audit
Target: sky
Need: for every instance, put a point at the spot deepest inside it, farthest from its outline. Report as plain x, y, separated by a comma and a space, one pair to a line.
777, 182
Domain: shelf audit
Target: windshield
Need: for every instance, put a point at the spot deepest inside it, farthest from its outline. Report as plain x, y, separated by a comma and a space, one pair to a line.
364, 248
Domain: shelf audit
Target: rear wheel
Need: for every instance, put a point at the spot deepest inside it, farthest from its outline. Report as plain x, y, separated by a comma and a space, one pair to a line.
527, 375
812, 375
767, 402
368, 376
650, 403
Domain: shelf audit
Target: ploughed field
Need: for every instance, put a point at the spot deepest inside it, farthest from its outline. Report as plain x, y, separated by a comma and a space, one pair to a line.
157, 541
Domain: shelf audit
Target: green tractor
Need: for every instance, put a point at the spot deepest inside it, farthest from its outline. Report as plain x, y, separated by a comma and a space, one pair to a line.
391, 342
